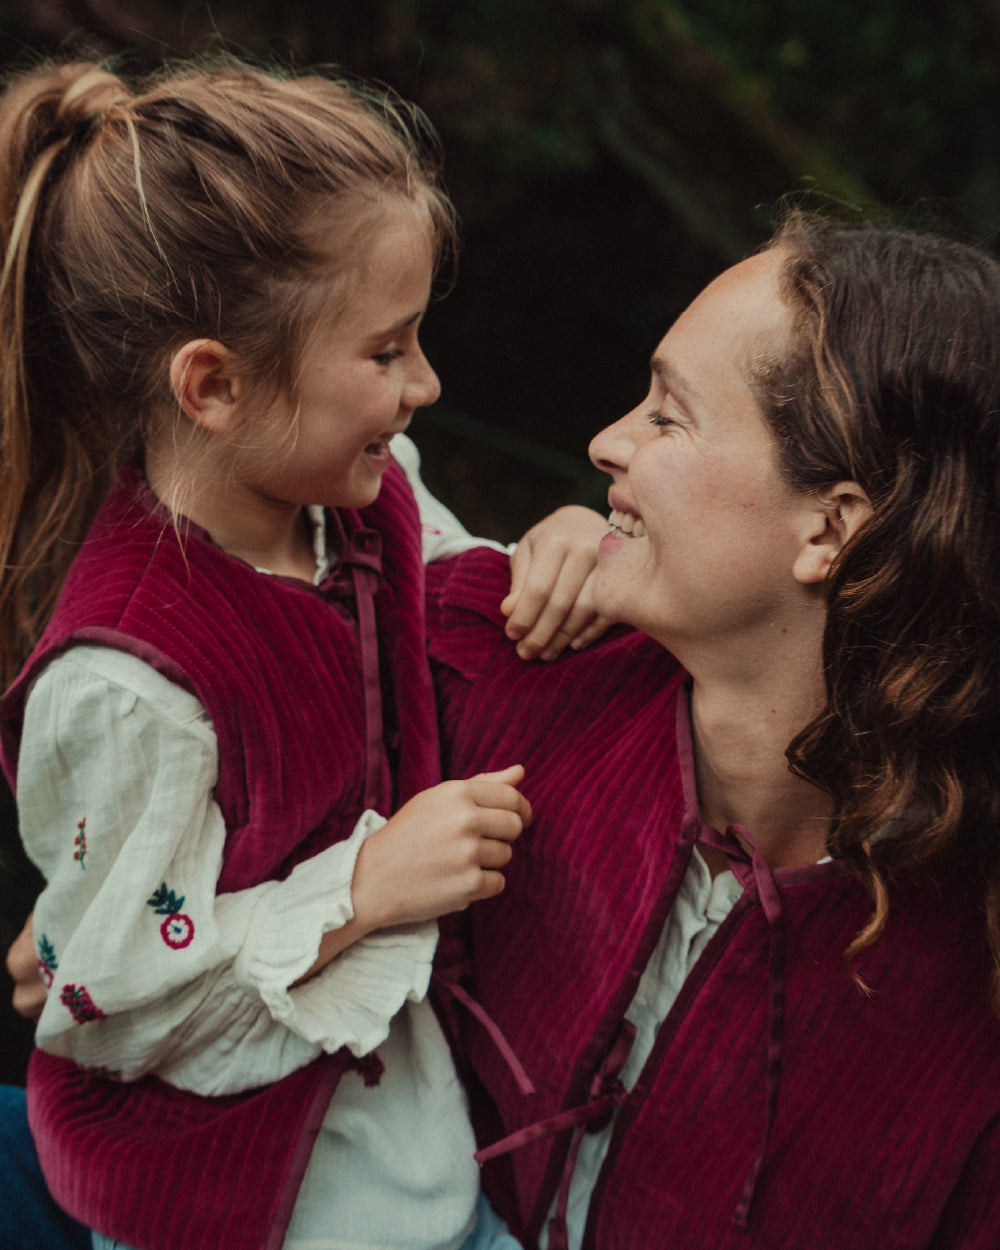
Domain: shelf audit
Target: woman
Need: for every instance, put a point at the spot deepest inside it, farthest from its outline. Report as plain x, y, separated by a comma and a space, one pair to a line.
748, 951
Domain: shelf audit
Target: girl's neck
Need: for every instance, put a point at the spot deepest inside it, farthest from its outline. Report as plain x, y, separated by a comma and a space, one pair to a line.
267, 533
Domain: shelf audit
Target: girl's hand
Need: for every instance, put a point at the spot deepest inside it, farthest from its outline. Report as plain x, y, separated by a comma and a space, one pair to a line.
442, 850
22, 964
549, 607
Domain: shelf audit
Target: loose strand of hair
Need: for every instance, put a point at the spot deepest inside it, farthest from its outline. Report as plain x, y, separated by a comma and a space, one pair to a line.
133, 134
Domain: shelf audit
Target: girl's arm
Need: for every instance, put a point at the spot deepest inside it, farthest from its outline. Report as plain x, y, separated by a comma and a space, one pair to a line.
149, 970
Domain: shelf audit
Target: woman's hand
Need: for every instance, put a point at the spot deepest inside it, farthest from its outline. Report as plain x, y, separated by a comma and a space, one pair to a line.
22, 964
549, 606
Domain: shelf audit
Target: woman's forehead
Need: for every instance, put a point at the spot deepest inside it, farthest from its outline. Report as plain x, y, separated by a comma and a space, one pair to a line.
739, 319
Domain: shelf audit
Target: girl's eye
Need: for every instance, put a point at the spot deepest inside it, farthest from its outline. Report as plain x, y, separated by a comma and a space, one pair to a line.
386, 358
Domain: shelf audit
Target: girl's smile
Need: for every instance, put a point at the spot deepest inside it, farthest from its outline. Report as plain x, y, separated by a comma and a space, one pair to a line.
361, 379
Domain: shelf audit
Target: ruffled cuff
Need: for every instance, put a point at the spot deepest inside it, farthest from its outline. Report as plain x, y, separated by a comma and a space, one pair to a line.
352, 1001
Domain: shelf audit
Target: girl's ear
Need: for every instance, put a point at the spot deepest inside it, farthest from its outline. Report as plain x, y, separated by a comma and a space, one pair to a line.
207, 386
840, 511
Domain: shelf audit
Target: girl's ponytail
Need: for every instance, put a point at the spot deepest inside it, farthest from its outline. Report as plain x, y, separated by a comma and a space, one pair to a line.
44, 483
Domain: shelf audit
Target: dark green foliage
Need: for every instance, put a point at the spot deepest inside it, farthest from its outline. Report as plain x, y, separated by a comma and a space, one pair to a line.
607, 157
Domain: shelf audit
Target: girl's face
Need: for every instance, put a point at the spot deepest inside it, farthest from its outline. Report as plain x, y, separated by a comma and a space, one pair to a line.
705, 531
362, 376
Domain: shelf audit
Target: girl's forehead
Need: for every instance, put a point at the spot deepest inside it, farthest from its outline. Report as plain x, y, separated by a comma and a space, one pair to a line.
388, 284
361, 234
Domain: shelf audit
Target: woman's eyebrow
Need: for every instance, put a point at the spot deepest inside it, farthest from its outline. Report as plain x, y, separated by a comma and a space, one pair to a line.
671, 379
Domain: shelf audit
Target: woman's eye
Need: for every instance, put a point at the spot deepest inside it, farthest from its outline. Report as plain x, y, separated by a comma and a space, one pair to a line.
386, 358
660, 421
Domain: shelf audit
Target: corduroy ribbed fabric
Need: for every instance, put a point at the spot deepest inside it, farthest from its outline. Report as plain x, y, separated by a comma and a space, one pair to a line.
278, 665
886, 1127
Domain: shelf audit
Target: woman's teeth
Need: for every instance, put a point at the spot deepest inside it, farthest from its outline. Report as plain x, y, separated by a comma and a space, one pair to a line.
626, 523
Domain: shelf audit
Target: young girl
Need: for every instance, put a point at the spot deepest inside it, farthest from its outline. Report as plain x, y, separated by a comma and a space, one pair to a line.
218, 281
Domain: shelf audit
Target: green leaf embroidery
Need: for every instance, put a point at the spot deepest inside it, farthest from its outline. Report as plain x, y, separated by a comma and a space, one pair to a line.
165, 902
47, 952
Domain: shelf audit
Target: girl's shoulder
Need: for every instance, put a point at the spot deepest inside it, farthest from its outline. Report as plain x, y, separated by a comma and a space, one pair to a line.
86, 672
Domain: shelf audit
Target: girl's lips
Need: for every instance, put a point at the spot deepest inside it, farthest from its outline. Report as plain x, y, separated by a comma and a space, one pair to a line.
379, 450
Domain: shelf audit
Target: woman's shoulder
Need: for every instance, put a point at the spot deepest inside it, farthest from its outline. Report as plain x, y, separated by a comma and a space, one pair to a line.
467, 642
469, 585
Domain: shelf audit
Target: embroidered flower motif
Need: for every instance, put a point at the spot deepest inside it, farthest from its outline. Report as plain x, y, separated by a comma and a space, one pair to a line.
369, 1067
47, 962
81, 1006
80, 842
177, 930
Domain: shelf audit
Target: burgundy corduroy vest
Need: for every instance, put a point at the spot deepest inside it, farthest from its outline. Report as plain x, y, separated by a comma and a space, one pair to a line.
278, 665
884, 1132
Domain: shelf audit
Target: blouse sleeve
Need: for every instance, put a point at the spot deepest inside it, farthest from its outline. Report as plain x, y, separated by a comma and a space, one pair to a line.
148, 969
443, 533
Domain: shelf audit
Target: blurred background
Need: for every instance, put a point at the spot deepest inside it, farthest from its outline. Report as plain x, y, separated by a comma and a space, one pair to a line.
607, 158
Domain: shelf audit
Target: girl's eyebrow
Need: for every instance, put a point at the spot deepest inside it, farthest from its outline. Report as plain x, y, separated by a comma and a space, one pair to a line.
389, 331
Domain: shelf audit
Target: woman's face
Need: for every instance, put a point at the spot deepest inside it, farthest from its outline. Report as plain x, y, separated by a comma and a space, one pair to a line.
705, 531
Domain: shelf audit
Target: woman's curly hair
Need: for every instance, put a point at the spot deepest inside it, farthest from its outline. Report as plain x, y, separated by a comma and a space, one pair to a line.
893, 381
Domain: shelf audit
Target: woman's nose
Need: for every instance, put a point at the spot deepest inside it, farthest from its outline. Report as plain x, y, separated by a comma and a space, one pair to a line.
611, 449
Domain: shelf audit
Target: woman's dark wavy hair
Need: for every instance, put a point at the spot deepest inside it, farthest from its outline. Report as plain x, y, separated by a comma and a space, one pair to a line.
893, 381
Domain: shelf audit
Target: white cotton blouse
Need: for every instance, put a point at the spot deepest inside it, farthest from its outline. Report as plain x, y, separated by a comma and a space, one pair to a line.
129, 758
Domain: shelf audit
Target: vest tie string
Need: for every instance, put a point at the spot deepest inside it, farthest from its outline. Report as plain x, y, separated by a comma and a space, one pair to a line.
357, 573
475, 1008
605, 1093
751, 869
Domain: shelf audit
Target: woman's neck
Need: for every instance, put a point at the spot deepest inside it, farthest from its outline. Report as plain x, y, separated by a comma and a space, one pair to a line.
740, 738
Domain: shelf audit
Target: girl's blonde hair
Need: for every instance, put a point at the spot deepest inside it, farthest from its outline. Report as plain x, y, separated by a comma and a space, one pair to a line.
134, 218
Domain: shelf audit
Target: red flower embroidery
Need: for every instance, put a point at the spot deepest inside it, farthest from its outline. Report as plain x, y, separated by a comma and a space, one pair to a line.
81, 1006
80, 842
177, 930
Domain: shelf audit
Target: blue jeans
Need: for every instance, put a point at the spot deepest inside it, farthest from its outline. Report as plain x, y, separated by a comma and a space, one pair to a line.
490, 1233
29, 1218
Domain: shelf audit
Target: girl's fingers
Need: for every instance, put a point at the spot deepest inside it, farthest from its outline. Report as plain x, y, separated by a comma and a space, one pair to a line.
502, 808
510, 776
494, 854
500, 825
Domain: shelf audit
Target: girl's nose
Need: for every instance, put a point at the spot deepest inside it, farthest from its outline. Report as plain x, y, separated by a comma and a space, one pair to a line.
423, 387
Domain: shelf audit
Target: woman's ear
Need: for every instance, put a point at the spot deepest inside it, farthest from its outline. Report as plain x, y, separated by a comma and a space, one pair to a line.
206, 385
840, 511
